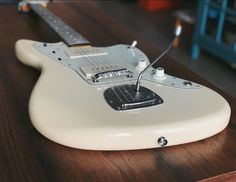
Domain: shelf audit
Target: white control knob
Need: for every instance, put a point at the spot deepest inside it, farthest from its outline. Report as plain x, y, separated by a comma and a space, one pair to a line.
132, 48
134, 43
159, 74
141, 64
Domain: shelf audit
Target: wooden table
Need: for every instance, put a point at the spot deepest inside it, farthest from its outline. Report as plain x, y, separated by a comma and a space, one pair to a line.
25, 155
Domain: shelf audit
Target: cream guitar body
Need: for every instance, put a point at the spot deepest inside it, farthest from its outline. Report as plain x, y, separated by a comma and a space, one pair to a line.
75, 101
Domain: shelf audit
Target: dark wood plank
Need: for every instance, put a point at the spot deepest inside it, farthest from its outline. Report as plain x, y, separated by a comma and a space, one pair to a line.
26, 155
228, 177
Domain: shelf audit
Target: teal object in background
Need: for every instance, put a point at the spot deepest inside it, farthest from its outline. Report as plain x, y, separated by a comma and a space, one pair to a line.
212, 38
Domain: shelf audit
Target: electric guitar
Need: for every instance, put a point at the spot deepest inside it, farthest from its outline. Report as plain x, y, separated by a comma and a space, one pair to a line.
111, 98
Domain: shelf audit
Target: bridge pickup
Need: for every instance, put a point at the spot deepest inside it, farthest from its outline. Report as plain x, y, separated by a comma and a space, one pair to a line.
105, 71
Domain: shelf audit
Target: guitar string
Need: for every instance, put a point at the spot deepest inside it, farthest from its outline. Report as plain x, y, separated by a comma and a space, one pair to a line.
96, 63
85, 57
48, 17
122, 79
101, 63
125, 90
113, 88
57, 25
129, 93
92, 58
93, 61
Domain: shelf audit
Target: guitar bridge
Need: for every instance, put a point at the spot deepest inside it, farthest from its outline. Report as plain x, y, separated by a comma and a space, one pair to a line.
105, 71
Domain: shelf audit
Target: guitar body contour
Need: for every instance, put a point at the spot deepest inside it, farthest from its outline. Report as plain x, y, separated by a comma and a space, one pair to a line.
72, 111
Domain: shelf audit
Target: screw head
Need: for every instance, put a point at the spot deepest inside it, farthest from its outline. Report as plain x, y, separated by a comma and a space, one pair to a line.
162, 141
187, 83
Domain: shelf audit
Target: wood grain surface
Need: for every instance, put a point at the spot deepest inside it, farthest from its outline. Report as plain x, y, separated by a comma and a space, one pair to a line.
25, 155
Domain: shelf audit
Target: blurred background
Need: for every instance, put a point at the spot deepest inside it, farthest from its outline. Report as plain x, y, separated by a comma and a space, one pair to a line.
208, 41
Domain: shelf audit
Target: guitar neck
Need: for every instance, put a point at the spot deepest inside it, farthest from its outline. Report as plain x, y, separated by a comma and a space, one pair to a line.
68, 34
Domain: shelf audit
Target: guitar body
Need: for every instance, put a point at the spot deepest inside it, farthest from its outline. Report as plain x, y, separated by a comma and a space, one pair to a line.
68, 108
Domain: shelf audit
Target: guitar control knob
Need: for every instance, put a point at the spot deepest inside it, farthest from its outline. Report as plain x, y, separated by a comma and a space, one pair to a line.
141, 64
159, 74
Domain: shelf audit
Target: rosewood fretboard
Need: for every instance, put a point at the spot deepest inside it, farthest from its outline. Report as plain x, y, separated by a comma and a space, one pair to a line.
68, 34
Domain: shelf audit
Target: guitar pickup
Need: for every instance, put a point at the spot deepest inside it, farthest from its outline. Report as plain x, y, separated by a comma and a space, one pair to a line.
105, 71
83, 52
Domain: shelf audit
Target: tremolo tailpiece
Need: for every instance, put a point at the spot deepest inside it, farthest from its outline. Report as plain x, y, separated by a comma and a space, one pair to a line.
125, 97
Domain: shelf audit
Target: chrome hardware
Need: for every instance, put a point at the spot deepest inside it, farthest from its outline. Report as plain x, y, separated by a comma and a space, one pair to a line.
187, 83
110, 74
162, 141
105, 71
125, 97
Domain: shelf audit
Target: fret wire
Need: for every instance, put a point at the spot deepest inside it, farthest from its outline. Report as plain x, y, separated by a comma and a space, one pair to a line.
68, 34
